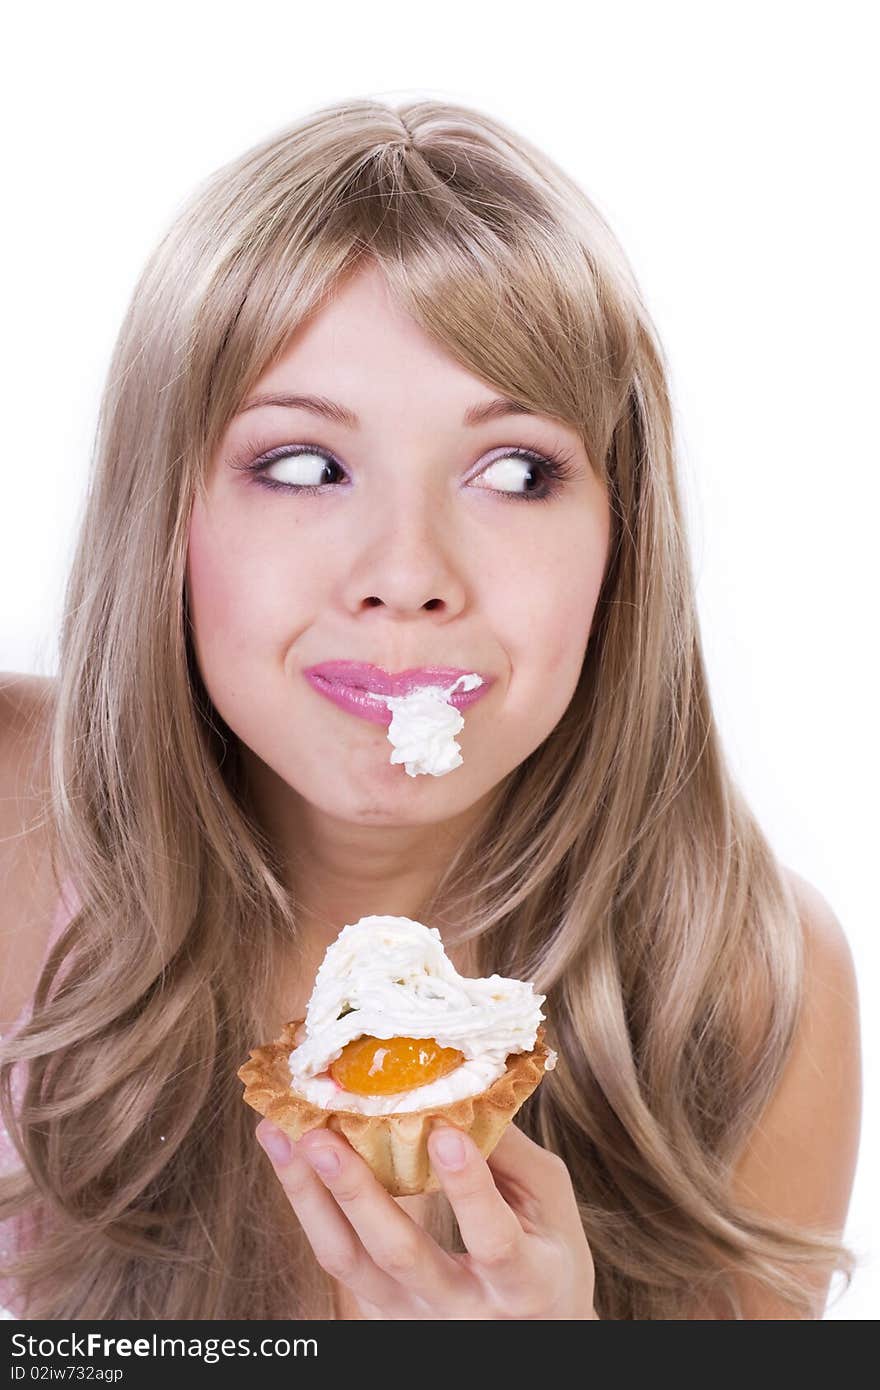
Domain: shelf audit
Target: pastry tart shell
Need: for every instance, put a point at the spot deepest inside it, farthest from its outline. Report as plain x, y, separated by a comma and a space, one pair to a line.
395, 1147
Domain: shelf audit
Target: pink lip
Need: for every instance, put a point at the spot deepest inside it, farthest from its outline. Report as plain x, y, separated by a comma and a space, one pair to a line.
354, 686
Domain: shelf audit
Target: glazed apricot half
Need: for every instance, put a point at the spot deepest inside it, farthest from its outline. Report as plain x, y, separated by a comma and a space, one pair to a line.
370, 1066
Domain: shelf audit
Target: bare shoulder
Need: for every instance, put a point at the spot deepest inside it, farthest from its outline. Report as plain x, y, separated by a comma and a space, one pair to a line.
26, 888
825, 1064
800, 1162
826, 1059
823, 932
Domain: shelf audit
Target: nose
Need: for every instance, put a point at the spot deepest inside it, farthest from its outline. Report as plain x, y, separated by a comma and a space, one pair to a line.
406, 558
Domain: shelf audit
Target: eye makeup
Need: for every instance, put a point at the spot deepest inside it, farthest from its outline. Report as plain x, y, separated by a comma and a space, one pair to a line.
553, 469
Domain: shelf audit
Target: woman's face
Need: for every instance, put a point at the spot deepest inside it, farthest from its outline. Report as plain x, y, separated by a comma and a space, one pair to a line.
423, 547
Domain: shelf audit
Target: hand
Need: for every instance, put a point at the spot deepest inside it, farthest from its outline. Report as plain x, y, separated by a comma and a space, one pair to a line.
527, 1255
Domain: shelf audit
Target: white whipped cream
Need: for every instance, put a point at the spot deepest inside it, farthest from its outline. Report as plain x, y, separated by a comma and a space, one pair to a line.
423, 727
394, 977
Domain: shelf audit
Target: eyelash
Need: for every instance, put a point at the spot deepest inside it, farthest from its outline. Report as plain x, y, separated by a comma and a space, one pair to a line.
556, 467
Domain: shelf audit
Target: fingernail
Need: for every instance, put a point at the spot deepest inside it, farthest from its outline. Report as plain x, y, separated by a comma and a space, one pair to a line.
449, 1148
276, 1144
325, 1159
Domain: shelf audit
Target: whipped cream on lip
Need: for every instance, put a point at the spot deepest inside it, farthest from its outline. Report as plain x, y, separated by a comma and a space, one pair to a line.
364, 689
423, 728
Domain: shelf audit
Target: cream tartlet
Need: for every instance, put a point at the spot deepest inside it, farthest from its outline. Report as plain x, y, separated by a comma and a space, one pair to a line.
394, 1042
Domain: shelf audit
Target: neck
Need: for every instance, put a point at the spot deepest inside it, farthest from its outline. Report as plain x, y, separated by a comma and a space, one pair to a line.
338, 871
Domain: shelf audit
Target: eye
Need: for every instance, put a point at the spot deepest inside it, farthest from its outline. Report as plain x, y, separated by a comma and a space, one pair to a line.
513, 472
304, 470
544, 475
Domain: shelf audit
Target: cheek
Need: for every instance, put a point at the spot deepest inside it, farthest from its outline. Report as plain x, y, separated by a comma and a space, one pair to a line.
219, 585
566, 624
206, 582
246, 605
549, 606
244, 589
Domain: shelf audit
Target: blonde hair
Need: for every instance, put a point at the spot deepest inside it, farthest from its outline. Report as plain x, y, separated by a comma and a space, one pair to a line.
618, 866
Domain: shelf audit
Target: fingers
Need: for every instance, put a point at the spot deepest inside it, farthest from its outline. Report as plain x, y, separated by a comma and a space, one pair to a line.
360, 1235
397, 1245
510, 1216
336, 1245
503, 1254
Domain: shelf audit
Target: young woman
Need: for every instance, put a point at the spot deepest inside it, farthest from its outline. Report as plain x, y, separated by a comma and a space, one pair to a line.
387, 392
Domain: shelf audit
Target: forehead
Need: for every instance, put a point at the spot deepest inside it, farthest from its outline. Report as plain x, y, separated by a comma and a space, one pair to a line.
362, 362
361, 347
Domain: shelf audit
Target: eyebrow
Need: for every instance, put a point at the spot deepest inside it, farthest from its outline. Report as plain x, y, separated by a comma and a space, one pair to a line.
341, 415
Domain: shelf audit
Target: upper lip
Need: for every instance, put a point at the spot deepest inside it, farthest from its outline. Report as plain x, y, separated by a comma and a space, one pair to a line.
364, 676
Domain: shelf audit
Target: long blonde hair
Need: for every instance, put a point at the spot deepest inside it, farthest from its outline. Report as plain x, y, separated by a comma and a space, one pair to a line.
618, 866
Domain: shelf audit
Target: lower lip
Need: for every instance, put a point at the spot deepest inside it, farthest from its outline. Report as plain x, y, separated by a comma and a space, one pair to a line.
368, 707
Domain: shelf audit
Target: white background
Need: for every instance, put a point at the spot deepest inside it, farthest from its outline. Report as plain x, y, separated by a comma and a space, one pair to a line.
732, 149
